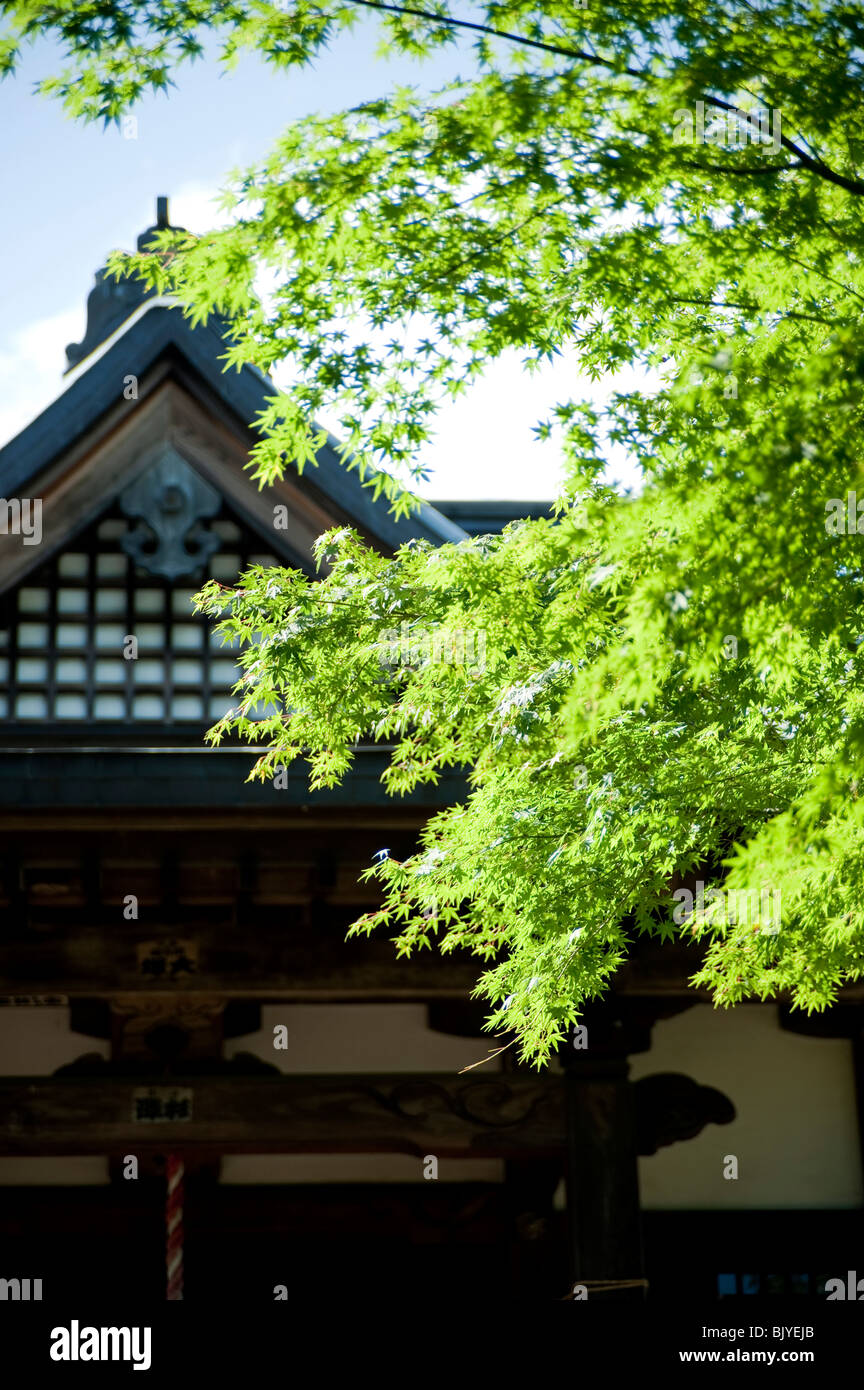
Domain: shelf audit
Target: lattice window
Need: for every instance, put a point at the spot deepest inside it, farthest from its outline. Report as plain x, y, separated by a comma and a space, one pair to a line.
62, 634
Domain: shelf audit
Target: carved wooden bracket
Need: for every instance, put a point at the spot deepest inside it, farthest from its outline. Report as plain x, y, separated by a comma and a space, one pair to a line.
671, 1107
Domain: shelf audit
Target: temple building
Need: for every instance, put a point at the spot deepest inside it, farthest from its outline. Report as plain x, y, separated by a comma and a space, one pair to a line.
177, 993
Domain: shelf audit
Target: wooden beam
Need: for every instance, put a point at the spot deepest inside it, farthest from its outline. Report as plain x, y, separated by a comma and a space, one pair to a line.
287, 955
23, 825
484, 1117
296, 963
279, 954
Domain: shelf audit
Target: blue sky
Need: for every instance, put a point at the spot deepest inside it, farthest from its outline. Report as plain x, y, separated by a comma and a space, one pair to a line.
74, 192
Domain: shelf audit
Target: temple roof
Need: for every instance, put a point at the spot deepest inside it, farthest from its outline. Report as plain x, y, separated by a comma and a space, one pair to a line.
111, 301
137, 344
484, 517
139, 469
135, 334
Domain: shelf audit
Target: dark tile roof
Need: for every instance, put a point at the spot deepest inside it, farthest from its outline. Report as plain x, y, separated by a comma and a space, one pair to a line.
486, 517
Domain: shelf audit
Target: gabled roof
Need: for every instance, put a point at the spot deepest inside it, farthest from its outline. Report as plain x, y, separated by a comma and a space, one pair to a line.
157, 346
149, 418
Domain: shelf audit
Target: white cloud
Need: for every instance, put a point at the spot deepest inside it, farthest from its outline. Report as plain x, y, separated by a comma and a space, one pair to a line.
31, 369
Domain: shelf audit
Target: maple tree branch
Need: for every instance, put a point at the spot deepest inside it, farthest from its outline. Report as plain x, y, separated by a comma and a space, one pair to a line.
815, 166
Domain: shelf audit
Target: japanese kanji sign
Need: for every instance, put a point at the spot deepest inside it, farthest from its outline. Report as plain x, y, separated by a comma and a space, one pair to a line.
161, 1104
167, 959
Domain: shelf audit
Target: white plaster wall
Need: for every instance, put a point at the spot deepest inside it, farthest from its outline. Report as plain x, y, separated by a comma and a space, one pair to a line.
348, 1168
795, 1134
339, 1038
347, 1038
82, 1170
35, 1042
357, 1038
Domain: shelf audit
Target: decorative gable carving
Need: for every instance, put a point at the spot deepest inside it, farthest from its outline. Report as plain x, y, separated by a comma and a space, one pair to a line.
170, 499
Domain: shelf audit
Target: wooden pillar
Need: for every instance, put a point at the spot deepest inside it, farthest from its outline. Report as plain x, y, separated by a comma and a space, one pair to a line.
536, 1254
601, 1169
536, 1249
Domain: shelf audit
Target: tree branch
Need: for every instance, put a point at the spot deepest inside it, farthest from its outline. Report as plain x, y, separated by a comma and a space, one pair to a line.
560, 49
757, 171
751, 309
815, 166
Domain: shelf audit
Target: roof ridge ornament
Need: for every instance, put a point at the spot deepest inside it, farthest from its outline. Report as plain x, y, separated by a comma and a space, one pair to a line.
170, 499
110, 302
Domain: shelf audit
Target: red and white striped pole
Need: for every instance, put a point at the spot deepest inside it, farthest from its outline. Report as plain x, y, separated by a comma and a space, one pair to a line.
174, 1228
